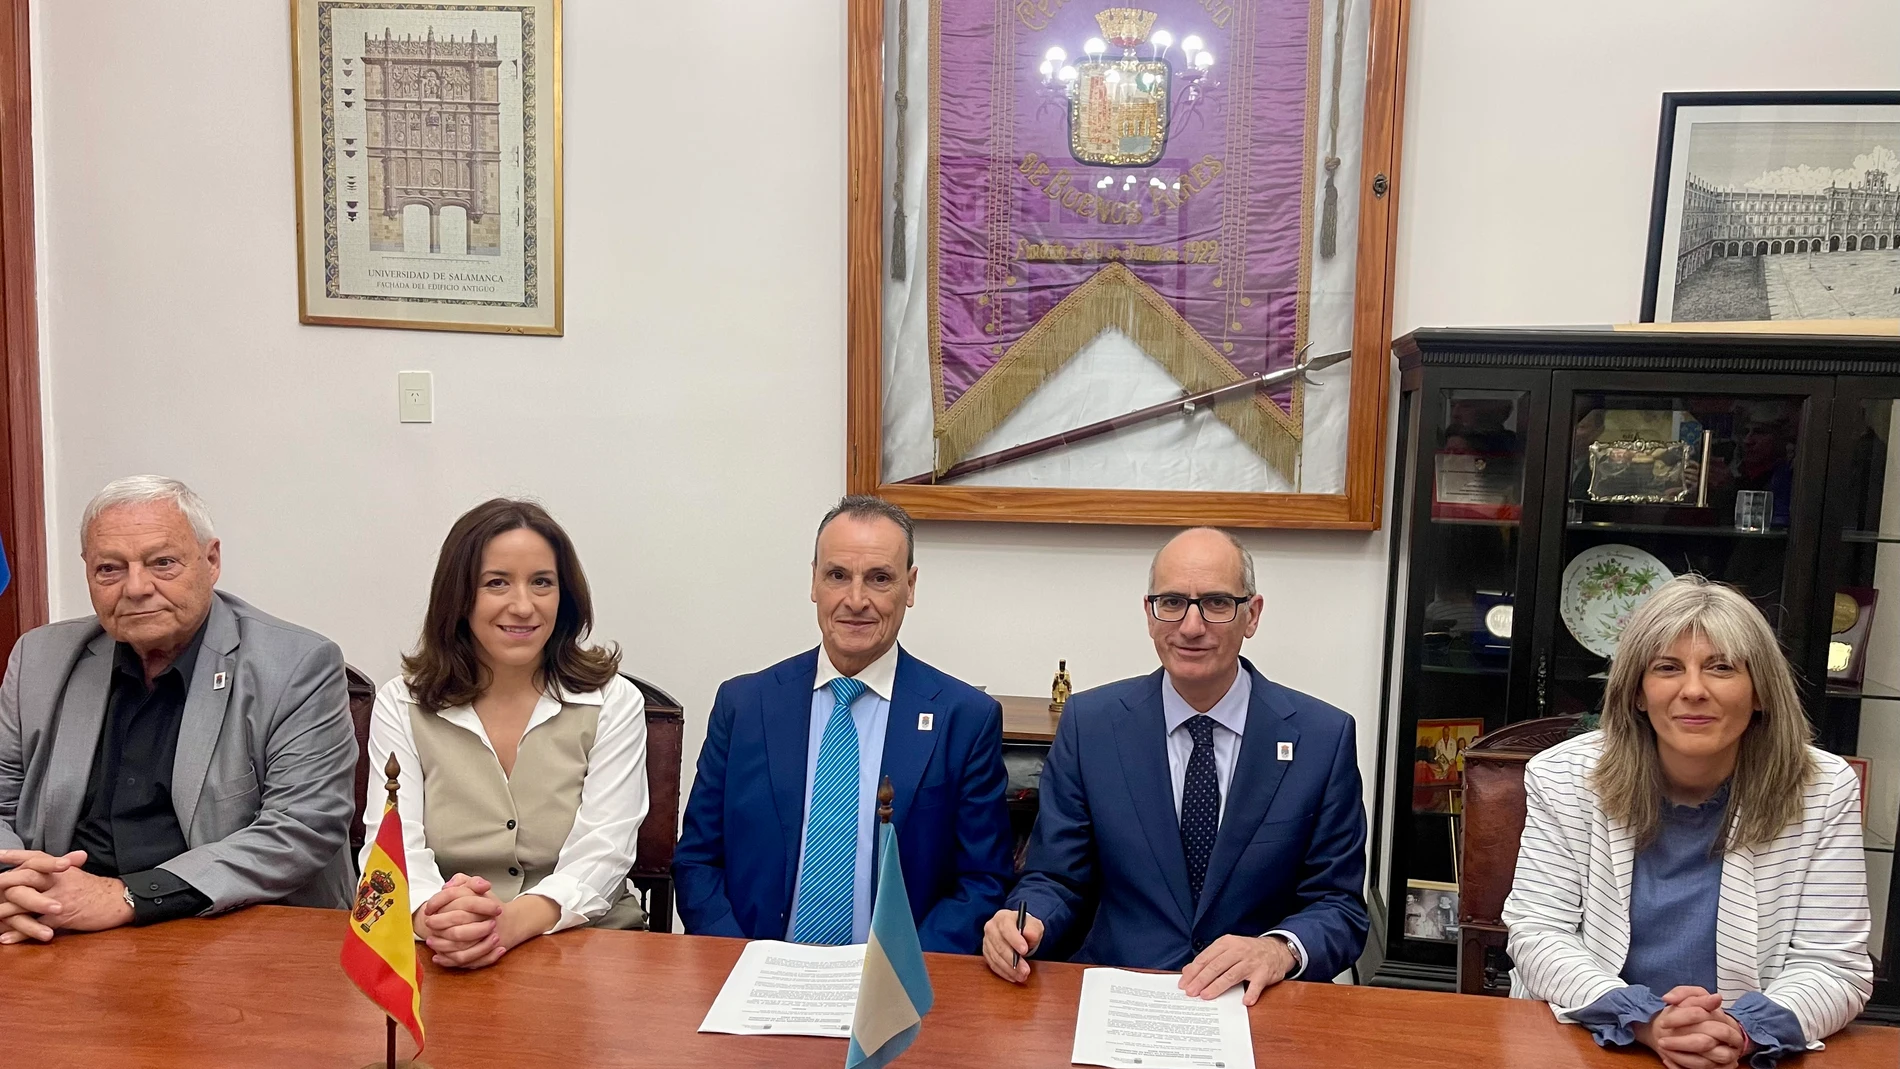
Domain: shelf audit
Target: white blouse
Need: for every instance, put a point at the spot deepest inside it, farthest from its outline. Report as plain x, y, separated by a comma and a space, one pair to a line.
599, 850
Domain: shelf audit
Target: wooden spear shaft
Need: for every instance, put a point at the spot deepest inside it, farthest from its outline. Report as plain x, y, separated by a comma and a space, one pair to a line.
1129, 419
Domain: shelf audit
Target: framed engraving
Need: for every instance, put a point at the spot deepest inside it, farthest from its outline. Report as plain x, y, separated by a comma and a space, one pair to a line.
1123, 263
428, 141
1775, 206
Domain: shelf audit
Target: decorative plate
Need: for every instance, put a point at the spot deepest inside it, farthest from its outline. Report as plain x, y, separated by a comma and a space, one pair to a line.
1602, 586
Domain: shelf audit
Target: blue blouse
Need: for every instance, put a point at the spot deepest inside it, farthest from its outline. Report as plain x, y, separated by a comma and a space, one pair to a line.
1675, 891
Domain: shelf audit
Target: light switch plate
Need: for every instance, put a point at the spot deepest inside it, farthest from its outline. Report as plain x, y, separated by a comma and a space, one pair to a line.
415, 396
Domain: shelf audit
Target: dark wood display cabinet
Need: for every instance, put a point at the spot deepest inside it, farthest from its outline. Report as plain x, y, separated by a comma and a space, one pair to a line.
1546, 480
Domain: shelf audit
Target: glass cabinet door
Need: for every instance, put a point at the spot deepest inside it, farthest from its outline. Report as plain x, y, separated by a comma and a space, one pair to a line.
1856, 644
1476, 451
1648, 484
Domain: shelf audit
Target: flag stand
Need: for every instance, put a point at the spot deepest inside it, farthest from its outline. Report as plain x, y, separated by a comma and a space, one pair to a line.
391, 771
389, 1058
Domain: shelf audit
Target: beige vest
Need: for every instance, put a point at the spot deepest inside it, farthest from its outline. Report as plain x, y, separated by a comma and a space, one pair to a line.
478, 822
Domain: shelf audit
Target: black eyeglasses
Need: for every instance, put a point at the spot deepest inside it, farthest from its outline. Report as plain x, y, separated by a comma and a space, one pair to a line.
1215, 608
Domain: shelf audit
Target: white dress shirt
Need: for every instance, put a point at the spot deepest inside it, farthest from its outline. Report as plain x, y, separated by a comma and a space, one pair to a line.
599, 850
871, 714
1230, 725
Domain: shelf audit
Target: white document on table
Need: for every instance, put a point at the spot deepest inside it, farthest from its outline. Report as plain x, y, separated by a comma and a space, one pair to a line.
789, 989
1130, 1019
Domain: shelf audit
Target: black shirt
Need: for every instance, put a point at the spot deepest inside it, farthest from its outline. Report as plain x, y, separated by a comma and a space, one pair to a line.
128, 827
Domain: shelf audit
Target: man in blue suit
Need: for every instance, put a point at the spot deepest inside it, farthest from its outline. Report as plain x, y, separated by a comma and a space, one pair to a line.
779, 831
1202, 818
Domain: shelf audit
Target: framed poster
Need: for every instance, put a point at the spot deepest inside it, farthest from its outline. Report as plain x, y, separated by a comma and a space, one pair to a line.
1092, 245
429, 164
1775, 206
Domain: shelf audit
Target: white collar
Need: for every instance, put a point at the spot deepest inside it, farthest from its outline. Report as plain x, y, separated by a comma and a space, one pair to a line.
880, 675
1230, 712
560, 696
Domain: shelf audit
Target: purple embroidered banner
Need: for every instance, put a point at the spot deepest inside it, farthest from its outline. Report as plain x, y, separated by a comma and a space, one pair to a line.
1144, 169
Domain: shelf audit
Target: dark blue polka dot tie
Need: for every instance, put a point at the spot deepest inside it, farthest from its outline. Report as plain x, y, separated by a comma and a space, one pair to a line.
1200, 803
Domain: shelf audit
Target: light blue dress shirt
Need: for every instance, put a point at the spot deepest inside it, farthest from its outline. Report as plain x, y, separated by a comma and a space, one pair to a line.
871, 713
1230, 724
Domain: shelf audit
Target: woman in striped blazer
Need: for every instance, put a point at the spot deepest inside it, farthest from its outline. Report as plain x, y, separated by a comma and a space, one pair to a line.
1691, 875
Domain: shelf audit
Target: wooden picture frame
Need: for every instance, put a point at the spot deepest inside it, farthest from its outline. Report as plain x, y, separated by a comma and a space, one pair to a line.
1358, 504
1759, 199
23, 602
454, 223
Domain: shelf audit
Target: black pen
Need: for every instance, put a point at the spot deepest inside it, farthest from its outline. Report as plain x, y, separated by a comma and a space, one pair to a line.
1022, 918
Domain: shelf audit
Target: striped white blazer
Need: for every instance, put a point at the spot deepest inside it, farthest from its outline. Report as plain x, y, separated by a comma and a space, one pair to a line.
1792, 922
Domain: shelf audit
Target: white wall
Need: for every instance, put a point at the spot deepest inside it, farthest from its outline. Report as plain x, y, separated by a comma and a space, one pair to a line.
689, 429
1530, 137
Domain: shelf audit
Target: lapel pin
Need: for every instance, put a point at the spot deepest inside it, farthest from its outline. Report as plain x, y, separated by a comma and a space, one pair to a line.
218, 681
925, 721
1286, 751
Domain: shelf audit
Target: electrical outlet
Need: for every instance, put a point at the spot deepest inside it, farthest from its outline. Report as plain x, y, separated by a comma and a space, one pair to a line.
415, 397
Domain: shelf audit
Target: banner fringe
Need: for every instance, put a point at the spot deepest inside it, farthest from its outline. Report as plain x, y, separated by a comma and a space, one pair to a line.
1114, 298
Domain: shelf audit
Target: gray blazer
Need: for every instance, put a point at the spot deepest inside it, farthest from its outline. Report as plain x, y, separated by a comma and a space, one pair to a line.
262, 780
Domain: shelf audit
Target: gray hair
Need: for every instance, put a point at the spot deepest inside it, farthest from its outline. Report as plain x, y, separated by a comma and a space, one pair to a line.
871, 507
147, 489
1246, 560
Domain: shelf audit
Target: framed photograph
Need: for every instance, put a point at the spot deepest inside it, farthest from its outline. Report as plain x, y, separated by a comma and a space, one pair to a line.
1431, 911
428, 143
1775, 206
1123, 264
1438, 755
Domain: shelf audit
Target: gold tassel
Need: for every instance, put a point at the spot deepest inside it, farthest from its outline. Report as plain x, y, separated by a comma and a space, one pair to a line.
897, 243
1329, 212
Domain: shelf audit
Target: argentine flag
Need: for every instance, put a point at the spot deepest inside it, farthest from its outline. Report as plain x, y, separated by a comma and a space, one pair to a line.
894, 992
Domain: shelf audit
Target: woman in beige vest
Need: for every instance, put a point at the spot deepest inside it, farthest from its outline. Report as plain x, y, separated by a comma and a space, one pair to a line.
523, 752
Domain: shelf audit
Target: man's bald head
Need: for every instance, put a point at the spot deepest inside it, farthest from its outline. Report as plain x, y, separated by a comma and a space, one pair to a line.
1198, 544
1206, 576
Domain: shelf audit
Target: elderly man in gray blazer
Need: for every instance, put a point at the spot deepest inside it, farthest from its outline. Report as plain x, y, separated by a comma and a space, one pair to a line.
179, 752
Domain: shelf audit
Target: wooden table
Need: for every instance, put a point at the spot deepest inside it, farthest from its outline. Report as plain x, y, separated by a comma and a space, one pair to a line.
263, 988
1027, 719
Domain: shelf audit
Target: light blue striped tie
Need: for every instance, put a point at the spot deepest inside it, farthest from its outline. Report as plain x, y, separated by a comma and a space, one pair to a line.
827, 886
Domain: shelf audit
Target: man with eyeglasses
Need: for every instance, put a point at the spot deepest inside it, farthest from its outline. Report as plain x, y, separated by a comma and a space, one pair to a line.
778, 837
1202, 818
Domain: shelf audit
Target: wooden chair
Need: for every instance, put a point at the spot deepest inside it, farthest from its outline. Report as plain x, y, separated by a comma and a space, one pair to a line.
362, 700
1493, 825
652, 873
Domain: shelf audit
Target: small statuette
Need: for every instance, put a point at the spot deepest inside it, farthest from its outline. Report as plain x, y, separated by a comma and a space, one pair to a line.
1060, 690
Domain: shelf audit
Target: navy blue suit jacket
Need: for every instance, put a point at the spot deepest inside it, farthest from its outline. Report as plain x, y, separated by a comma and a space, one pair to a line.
737, 857
1290, 854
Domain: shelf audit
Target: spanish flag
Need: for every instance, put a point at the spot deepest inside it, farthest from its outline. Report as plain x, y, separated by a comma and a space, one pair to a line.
379, 953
